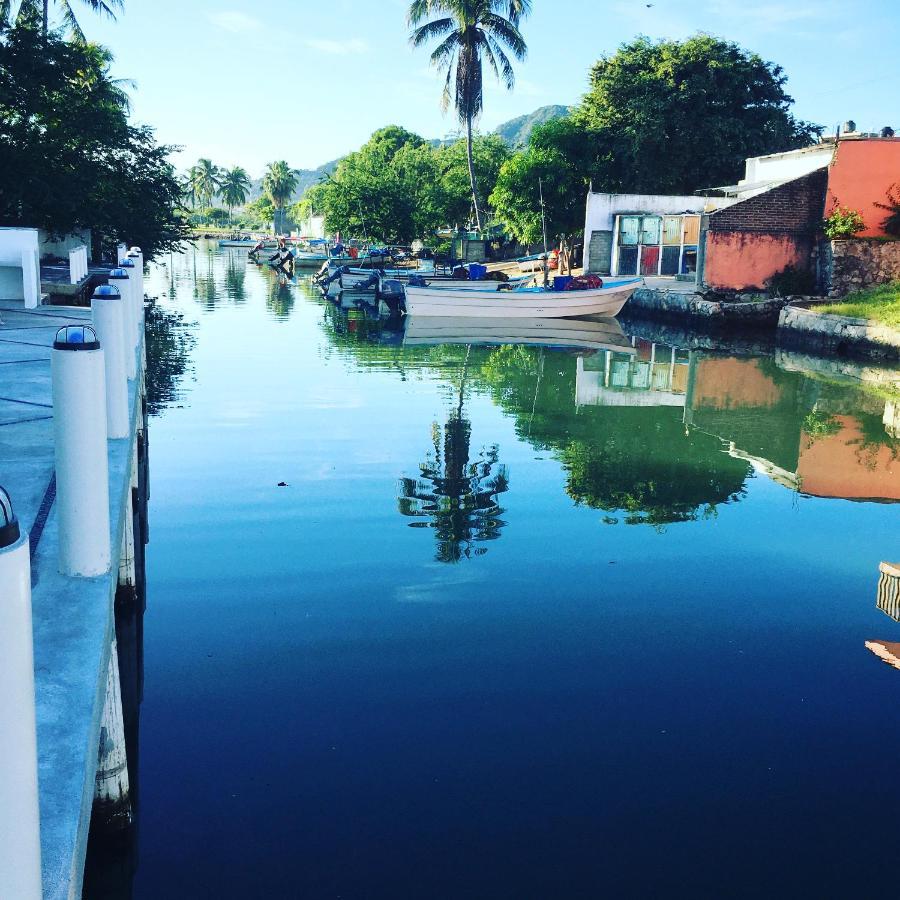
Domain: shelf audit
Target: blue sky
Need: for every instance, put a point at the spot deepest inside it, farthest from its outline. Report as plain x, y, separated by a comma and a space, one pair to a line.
309, 80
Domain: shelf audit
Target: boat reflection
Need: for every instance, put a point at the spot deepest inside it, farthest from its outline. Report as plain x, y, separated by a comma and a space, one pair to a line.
588, 334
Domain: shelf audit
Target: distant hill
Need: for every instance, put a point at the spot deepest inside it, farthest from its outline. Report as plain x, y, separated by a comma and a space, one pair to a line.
517, 131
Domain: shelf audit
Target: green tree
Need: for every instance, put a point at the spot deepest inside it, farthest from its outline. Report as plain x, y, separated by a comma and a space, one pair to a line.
674, 116
69, 157
383, 190
470, 32
41, 9
555, 165
279, 184
206, 178
234, 188
489, 153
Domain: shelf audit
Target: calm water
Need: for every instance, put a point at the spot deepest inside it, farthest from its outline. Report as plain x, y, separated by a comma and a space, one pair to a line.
524, 622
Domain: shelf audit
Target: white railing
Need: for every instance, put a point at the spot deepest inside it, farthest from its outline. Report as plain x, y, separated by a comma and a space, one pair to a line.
78, 264
19, 250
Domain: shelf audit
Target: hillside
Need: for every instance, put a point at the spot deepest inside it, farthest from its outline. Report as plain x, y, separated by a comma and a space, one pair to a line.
517, 131
306, 178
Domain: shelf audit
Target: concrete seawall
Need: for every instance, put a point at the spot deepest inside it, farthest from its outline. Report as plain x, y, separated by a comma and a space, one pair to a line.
73, 618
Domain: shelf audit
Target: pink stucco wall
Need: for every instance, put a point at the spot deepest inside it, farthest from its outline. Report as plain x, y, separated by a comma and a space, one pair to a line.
744, 260
860, 176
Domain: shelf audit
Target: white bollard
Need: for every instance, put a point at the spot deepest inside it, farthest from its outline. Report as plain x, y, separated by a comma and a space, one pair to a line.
138, 260
20, 837
121, 253
82, 466
108, 314
137, 252
119, 279
129, 267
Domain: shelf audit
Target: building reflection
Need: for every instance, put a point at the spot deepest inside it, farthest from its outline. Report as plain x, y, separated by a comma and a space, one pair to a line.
888, 601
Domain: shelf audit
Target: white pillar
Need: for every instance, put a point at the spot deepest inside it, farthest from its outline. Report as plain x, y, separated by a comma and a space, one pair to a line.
82, 465
121, 253
118, 278
31, 279
137, 260
129, 267
108, 314
20, 839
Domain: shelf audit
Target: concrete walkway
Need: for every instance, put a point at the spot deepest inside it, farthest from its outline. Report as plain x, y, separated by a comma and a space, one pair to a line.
73, 618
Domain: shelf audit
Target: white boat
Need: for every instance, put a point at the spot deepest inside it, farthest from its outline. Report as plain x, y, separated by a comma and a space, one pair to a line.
534, 263
607, 300
583, 334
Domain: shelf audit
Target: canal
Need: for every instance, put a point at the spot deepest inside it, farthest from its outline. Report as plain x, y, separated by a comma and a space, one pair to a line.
524, 615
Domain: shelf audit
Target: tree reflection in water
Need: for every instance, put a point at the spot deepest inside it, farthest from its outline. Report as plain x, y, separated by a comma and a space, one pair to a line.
456, 497
170, 341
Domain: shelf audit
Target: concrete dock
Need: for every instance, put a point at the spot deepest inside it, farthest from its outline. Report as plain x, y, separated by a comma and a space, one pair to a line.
73, 618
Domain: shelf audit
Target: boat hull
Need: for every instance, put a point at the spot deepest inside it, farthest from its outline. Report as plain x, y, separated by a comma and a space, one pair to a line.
605, 301
581, 334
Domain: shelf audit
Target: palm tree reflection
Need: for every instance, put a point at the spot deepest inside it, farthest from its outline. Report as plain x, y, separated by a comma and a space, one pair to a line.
454, 495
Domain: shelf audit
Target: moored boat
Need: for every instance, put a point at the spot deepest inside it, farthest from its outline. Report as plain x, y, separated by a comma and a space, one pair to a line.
607, 300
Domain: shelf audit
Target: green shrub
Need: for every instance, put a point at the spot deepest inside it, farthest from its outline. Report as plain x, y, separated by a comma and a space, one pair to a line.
843, 223
892, 223
791, 280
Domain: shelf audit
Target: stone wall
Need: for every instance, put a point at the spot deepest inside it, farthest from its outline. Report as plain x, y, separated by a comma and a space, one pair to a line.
847, 266
680, 304
802, 327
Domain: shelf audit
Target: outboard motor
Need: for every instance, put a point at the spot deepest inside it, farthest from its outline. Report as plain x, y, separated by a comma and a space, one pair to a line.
343, 270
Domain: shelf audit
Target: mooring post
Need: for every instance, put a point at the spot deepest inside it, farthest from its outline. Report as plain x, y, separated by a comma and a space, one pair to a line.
112, 794
108, 314
137, 260
20, 839
119, 279
121, 253
82, 465
128, 267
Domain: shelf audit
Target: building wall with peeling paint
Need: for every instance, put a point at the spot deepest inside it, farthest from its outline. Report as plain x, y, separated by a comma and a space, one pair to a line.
745, 261
860, 176
751, 241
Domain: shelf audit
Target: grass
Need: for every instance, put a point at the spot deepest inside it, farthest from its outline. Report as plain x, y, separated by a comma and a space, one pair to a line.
879, 304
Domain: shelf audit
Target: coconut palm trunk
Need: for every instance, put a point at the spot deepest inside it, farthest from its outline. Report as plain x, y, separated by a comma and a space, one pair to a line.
472, 177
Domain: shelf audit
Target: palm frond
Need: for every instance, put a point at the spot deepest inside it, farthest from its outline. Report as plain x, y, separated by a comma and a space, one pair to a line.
506, 74
504, 31
428, 31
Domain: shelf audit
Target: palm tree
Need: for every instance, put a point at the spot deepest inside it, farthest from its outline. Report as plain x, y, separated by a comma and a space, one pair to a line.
470, 31
279, 183
205, 176
42, 7
234, 188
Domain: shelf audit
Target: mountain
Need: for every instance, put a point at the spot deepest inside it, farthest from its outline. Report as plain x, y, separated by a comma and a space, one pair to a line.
517, 131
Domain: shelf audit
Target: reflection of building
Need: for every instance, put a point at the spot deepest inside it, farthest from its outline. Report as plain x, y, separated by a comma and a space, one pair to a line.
840, 464
772, 420
655, 375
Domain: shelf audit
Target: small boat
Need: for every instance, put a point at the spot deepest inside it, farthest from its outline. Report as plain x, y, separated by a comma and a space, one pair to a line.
607, 300
581, 334
247, 243
535, 262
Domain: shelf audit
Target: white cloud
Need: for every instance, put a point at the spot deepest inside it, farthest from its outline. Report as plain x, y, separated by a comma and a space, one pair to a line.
235, 22
337, 48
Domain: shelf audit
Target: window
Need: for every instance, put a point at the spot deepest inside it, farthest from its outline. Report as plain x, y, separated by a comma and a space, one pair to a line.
629, 228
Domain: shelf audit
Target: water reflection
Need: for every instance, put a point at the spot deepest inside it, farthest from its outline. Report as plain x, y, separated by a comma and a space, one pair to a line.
170, 340
455, 495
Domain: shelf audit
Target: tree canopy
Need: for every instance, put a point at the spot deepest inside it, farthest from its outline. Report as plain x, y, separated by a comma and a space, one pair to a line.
398, 187
69, 157
675, 116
